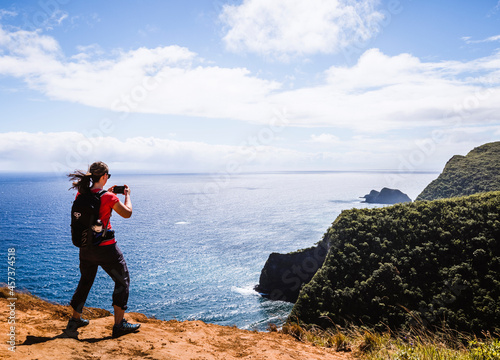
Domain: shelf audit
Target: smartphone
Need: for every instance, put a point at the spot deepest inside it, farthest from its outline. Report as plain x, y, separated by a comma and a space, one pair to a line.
119, 190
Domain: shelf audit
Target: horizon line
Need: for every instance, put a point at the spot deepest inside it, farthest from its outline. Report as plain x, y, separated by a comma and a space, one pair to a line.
173, 173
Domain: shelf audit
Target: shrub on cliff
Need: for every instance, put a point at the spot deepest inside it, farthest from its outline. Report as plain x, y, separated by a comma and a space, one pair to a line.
477, 172
428, 262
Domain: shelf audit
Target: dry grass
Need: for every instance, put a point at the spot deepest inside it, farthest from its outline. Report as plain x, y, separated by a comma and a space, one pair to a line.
416, 344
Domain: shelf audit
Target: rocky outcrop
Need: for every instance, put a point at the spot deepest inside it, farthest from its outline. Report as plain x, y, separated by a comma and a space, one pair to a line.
284, 275
425, 263
477, 172
386, 196
38, 334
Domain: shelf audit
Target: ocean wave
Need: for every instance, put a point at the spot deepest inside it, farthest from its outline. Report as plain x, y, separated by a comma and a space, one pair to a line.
247, 290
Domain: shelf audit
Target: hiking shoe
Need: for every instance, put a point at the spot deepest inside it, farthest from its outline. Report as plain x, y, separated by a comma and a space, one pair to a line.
124, 328
73, 325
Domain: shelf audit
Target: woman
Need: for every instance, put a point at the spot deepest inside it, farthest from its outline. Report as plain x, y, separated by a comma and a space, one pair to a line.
106, 254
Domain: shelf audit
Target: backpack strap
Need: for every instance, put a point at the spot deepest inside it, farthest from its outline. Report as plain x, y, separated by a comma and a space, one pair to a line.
99, 194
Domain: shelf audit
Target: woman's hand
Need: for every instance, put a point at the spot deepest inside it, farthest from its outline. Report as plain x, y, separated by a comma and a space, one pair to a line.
126, 191
124, 209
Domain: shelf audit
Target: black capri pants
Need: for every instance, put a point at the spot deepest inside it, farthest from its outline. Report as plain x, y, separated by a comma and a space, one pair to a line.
111, 259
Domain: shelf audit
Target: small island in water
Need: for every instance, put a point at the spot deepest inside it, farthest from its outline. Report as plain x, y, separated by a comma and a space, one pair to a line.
433, 263
386, 196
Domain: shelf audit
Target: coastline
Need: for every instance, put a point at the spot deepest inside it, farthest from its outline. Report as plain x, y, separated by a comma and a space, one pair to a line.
39, 325
198, 267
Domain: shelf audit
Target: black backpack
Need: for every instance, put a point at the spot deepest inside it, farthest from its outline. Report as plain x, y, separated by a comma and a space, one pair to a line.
84, 215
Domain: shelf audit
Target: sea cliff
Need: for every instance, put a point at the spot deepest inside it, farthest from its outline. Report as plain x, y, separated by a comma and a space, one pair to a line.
428, 262
477, 172
284, 275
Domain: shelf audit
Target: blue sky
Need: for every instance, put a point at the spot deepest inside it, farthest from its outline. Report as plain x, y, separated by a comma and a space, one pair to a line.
253, 85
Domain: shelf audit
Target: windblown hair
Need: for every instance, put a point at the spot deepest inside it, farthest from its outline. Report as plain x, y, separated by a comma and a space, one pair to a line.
83, 181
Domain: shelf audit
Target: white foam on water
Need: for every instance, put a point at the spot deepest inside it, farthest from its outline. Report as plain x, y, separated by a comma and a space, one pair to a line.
247, 290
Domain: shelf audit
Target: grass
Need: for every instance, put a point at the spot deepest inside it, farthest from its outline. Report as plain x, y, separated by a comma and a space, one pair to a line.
417, 344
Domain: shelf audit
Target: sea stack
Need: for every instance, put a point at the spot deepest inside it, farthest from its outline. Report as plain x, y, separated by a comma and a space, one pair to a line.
386, 196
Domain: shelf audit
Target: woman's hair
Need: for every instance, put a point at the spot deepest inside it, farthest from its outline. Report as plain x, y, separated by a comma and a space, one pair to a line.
82, 181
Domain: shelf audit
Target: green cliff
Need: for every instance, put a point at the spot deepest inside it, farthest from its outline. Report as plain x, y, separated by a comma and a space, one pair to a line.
426, 262
283, 275
477, 172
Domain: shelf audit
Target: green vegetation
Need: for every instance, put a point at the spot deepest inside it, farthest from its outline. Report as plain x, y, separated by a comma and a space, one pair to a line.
412, 345
429, 264
477, 172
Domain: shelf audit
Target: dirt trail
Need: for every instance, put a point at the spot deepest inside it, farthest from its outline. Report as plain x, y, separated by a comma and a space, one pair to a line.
39, 325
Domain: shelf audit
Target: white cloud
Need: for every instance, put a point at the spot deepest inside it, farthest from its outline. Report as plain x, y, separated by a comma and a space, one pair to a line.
382, 92
60, 17
5, 13
66, 151
46, 18
468, 40
88, 52
377, 94
284, 28
497, 7
165, 80
325, 139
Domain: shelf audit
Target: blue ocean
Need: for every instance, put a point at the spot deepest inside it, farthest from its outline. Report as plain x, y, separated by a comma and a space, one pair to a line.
196, 243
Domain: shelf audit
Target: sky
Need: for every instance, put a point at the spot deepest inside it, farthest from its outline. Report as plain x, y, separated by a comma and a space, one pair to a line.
251, 85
